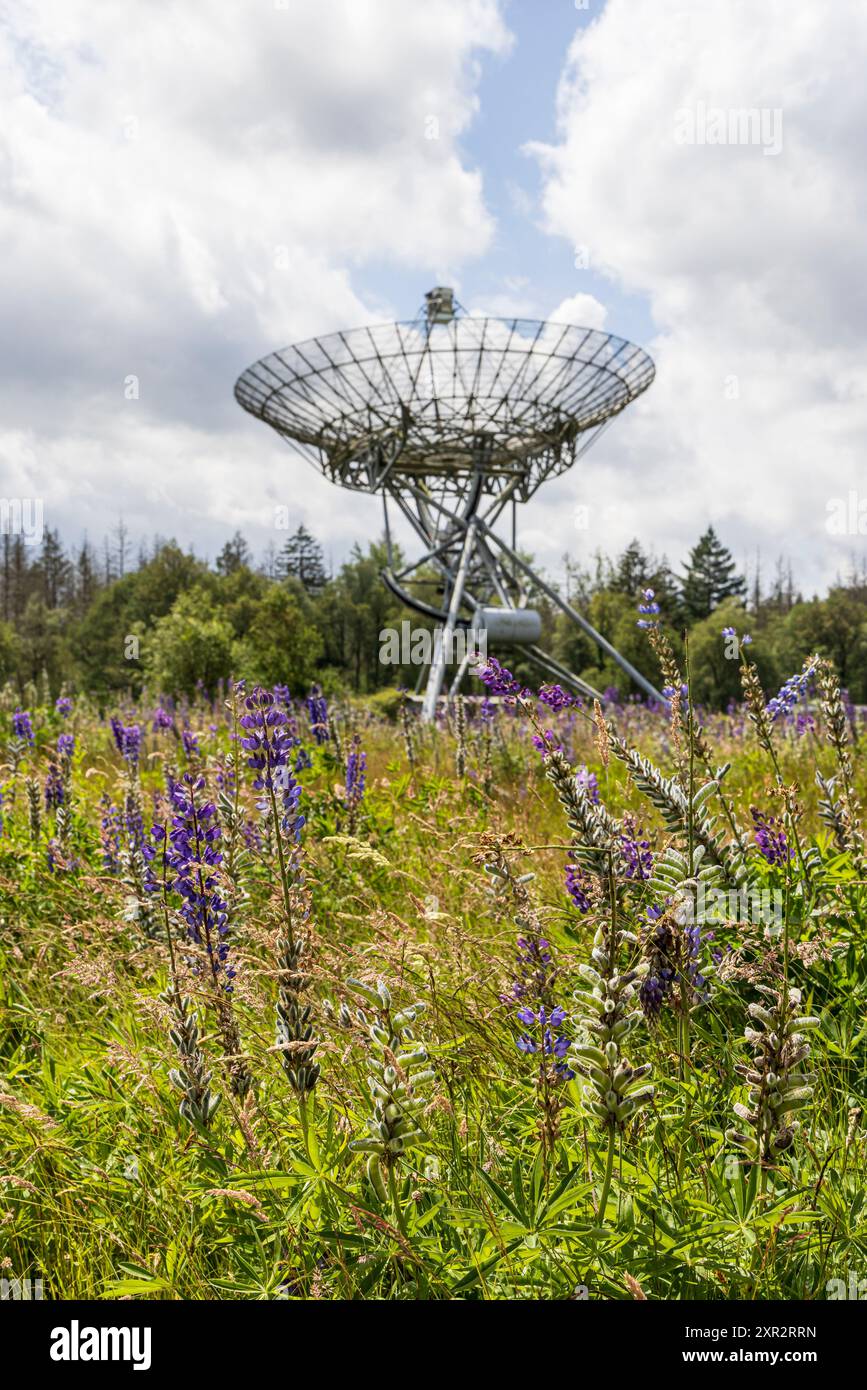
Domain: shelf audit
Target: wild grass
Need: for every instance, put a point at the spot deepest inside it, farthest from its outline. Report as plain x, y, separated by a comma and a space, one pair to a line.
410, 900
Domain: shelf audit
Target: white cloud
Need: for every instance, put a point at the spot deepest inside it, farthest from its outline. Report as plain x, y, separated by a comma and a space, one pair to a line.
581, 309
183, 188
752, 263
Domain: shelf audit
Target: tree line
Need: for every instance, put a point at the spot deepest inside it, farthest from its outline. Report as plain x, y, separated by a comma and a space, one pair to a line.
107, 620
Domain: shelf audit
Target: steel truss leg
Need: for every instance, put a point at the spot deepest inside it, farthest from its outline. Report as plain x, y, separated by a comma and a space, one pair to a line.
577, 618
437, 672
478, 536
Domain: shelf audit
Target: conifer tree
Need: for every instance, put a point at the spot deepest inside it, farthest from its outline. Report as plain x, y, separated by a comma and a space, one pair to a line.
234, 554
709, 577
302, 558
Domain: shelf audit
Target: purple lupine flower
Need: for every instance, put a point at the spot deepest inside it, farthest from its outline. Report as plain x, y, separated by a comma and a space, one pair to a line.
536, 972
225, 777
109, 835
317, 710
554, 1019
252, 835
657, 983
133, 825
804, 723
356, 767
694, 943
638, 860
281, 694
578, 887
551, 1041
534, 989
65, 747
500, 681
161, 719
556, 698
270, 742
128, 741
546, 742
63, 705
291, 821
652, 993
266, 740
193, 853
770, 836
22, 726
587, 781
851, 713
170, 781
795, 688
54, 790
190, 742
649, 609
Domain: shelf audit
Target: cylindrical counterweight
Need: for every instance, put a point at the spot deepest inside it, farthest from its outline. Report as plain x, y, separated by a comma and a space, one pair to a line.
509, 625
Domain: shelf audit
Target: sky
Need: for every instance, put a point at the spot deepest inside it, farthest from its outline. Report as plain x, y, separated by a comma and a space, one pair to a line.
184, 188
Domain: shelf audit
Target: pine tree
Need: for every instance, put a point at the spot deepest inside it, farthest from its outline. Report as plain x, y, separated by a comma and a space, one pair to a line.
302, 558
86, 577
632, 573
709, 577
19, 579
108, 570
635, 571
234, 554
55, 569
121, 546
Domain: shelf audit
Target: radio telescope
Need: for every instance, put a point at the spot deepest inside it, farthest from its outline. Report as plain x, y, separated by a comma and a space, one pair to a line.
454, 420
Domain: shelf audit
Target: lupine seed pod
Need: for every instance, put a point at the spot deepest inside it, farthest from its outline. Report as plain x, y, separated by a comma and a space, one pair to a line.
593, 828
778, 1084
461, 737
134, 869
365, 991
295, 1040
845, 810
398, 1066
831, 810
34, 804
240, 1076
192, 1077
614, 1092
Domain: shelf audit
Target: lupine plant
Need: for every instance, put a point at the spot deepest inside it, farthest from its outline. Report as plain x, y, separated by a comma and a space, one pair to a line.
609, 1011
269, 743
542, 1153
398, 1072
356, 781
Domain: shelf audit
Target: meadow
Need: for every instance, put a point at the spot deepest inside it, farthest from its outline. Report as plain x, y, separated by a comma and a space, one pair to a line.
303, 999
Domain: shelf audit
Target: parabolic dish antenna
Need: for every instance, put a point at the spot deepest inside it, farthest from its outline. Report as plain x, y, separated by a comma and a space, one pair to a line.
452, 419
